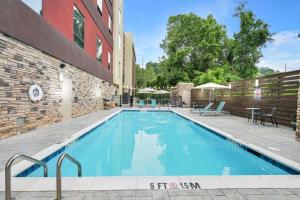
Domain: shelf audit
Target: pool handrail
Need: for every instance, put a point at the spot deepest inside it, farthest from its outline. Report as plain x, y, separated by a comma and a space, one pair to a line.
8, 171
58, 172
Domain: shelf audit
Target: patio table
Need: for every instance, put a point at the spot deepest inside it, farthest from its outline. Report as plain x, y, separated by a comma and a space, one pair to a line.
252, 113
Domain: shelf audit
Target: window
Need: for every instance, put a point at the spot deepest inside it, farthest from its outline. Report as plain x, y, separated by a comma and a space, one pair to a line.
109, 23
120, 17
99, 50
120, 42
78, 27
99, 6
109, 60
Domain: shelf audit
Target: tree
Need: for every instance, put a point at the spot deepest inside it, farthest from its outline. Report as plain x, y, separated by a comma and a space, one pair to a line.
247, 44
145, 77
139, 74
193, 43
198, 49
220, 75
265, 71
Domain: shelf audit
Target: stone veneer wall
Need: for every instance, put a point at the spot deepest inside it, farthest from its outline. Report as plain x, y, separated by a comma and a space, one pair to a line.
298, 113
183, 90
20, 67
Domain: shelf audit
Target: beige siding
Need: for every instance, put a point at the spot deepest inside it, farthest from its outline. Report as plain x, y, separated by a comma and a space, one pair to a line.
129, 63
118, 44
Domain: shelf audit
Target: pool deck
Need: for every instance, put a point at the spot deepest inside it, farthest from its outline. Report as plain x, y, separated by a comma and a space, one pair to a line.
37, 140
217, 194
278, 142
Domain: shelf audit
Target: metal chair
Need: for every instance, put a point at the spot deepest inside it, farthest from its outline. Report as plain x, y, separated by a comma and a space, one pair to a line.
271, 116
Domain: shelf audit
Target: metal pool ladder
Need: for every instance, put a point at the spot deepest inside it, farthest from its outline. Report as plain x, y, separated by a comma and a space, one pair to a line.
8, 171
58, 172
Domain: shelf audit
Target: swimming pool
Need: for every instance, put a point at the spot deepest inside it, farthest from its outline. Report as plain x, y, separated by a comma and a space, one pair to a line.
135, 143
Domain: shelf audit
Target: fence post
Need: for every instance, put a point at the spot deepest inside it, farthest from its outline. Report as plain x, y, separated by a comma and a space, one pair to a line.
298, 114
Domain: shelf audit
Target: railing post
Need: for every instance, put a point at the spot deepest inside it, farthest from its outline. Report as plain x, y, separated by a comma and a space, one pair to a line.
8, 180
58, 172
8, 171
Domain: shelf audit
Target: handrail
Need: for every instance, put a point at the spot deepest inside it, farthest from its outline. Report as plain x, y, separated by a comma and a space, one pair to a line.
58, 172
8, 171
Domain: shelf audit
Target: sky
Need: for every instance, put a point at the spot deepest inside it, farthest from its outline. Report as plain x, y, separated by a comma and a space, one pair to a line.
147, 20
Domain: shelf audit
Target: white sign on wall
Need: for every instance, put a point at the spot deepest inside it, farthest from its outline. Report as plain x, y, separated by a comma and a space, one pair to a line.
257, 93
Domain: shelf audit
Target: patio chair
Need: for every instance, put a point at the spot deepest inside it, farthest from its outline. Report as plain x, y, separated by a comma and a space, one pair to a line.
199, 108
218, 111
271, 116
141, 103
153, 103
106, 104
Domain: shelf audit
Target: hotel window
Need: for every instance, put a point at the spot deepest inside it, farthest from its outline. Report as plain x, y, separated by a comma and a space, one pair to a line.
99, 6
109, 23
78, 27
109, 60
99, 50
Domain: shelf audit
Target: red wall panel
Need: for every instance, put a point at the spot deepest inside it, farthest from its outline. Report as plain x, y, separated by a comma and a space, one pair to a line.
59, 14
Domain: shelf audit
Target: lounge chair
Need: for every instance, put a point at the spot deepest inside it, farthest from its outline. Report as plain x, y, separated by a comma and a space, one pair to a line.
153, 103
141, 103
218, 111
197, 108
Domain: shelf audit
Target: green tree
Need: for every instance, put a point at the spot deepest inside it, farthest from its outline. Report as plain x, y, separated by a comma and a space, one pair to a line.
145, 77
265, 71
247, 44
220, 75
193, 43
139, 74
150, 75
198, 49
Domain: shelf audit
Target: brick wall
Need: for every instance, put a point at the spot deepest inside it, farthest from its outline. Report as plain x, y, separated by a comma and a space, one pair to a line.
20, 67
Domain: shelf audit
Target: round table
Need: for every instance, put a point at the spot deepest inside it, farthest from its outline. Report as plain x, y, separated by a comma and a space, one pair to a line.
252, 112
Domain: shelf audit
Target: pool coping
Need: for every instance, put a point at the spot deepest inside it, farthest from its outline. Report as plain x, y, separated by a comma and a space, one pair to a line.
152, 182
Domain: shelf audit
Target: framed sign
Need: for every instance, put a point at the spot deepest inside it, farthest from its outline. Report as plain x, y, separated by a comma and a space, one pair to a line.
257, 93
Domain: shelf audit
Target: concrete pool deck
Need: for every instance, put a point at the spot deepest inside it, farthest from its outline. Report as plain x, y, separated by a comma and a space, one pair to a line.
280, 141
220, 194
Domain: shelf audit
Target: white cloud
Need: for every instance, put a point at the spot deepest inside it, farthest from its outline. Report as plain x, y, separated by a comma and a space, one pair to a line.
284, 37
284, 50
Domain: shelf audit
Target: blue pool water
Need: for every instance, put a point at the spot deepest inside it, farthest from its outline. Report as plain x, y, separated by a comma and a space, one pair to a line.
158, 144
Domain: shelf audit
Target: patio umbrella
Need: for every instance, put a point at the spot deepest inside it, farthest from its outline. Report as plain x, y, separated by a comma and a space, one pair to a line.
211, 86
161, 92
146, 91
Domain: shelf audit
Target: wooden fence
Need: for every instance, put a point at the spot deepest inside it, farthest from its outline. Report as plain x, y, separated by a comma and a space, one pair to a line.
278, 90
